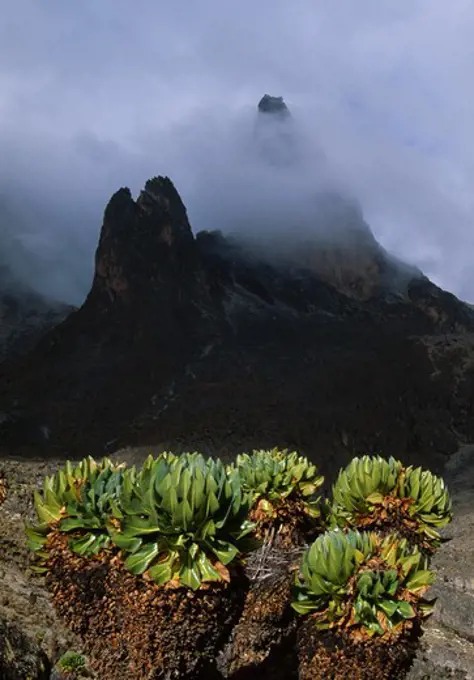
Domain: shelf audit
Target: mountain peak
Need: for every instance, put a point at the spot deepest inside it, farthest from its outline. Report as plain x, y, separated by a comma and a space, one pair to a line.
143, 243
273, 105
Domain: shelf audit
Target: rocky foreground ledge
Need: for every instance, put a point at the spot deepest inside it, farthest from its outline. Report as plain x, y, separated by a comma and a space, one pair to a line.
448, 645
32, 638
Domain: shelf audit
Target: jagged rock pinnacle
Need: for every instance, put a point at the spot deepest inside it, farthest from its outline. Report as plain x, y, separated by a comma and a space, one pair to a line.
144, 243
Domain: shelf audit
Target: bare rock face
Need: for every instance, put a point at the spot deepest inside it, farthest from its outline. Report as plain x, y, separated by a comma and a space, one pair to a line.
20, 656
146, 248
447, 649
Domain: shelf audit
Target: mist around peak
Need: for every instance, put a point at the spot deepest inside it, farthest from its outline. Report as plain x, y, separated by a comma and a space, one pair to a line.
246, 173
95, 96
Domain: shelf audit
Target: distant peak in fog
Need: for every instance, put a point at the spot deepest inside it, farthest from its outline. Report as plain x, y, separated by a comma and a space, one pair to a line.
259, 175
277, 134
273, 105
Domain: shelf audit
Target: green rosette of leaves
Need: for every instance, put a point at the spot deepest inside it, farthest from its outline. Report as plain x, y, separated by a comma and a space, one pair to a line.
183, 521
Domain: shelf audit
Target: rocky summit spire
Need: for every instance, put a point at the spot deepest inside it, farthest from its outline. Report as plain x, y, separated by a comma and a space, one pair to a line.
275, 133
273, 105
144, 245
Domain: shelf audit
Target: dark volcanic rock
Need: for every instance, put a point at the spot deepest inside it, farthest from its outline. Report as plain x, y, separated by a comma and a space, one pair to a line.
20, 656
140, 324
447, 647
146, 249
202, 342
274, 105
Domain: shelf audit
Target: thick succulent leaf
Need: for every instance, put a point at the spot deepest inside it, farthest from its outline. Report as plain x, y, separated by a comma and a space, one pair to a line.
183, 516
367, 481
187, 505
190, 574
405, 609
364, 583
303, 606
208, 529
375, 498
275, 475
426, 607
47, 514
212, 504
431, 533
207, 570
197, 491
129, 544
141, 560
389, 607
89, 544
325, 580
115, 509
389, 551
420, 580
37, 537
52, 501
162, 571
74, 523
320, 586
135, 525
223, 550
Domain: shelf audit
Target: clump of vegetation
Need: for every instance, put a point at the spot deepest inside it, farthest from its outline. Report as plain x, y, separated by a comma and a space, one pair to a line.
78, 501
363, 601
155, 568
71, 663
183, 521
73, 549
283, 486
153, 558
382, 495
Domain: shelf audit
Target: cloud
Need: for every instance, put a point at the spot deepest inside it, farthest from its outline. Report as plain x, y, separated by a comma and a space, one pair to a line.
98, 95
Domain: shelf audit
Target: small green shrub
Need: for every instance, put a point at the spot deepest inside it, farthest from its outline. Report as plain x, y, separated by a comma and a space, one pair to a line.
71, 662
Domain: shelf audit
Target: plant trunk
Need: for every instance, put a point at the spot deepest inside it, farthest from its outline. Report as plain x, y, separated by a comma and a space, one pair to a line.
80, 590
333, 655
260, 645
132, 628
176, 632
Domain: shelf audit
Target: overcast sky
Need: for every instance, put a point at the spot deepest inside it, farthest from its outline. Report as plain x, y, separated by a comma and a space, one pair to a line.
98, 94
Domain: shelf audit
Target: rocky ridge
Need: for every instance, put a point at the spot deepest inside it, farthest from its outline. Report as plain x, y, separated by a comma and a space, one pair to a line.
198, 341
224, 343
